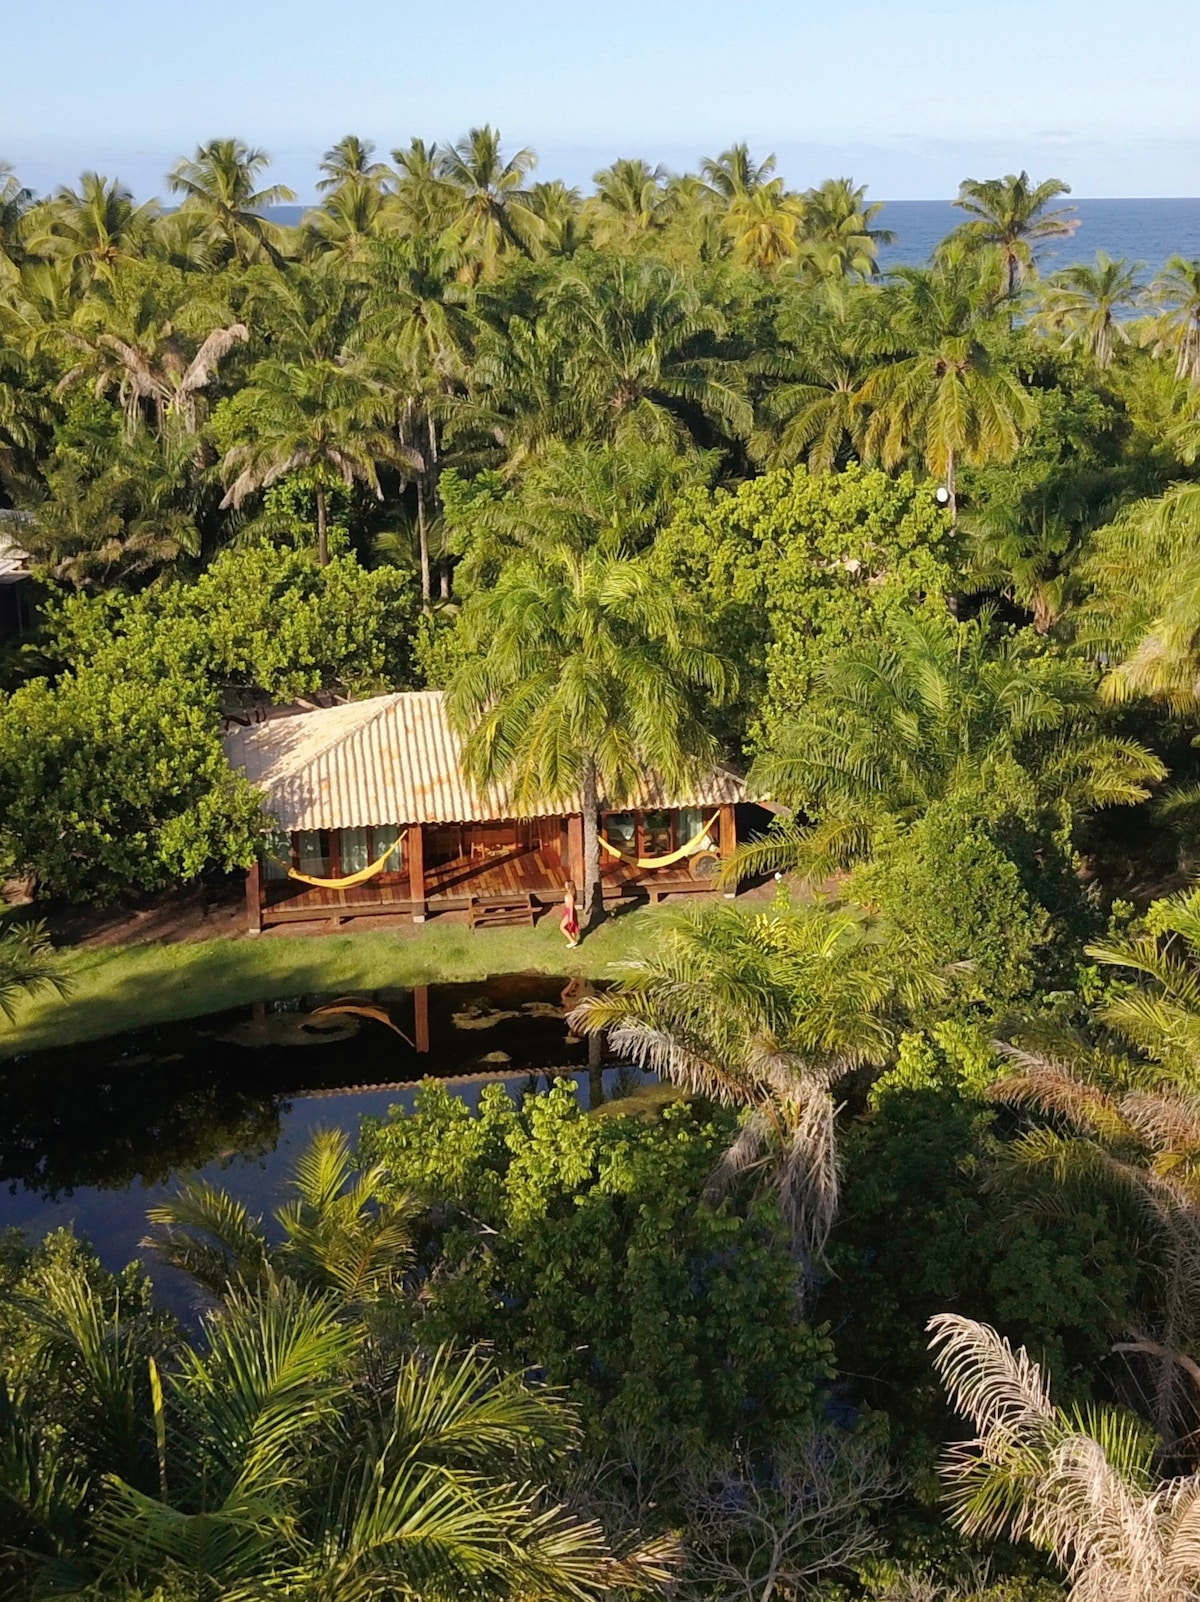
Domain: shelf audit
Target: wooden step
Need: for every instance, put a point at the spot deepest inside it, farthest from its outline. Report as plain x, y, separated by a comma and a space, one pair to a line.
485, 911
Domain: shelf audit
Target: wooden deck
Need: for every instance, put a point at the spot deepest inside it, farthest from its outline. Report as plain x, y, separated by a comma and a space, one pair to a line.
514, 887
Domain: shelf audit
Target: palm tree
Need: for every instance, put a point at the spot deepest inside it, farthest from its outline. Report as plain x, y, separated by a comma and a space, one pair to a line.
349, 162
1084, 305
93, 228
734, 173
937, 709
23, 414
840, 239
763, 226
219, 182
15, 203
621, 350
313, 418
334, 1241
630, 205
493, 213
27, 964
944, 395
766, 1013
426, 201
1080, 1484
1009, 215
580, 673
279, 1453
135, 336
349, 218
1177, 327
810, 411
416, 336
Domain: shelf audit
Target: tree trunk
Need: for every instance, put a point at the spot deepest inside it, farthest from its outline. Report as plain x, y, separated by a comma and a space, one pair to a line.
592, 899
322, 528
423, 539
434, 470
952, 489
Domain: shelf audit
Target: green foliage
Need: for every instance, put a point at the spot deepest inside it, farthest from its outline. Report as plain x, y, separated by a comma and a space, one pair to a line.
585, 1247
793, 565
950, 886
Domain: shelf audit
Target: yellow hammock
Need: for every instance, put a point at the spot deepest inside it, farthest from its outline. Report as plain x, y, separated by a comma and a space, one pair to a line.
696, 843
350, 879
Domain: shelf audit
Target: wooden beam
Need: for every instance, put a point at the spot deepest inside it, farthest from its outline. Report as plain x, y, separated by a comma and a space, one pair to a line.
416, 870
254, 900
574, 862
727, 844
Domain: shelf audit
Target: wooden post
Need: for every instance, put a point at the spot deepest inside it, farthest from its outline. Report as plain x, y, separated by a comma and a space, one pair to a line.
574, 862
416, 871
728, 841
421, 1018
254, 899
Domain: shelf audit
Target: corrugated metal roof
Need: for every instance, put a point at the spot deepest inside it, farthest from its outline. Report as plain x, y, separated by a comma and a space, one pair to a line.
395, 759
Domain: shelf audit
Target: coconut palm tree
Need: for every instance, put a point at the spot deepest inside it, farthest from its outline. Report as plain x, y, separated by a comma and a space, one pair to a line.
1083, 305
1009, 215
840, 239
493, 215
350, 217
630, 207
1177, 328
149, 337
15, 203
1080, 1484
23, 415
218, 182
937, 709
426, 201
734, 173
27, 964
763, 226
92, 229
315, 419
580, 673
810, 411
334, 1240
349, 162
766, 1013
942, 395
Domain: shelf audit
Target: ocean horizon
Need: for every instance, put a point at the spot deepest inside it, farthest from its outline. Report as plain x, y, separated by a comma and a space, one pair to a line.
1146, 231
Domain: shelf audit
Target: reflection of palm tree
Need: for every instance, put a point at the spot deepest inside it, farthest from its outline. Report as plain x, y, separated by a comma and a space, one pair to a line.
27, 964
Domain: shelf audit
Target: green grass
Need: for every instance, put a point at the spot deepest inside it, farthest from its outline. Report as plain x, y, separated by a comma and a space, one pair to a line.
126, 987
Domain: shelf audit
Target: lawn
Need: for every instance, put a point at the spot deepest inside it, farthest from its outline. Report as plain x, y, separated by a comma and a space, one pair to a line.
125, 987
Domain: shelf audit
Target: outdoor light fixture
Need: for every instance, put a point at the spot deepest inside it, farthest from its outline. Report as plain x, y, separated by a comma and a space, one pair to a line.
942, 495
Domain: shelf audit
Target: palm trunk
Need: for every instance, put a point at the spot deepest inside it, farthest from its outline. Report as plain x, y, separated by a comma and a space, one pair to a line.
434, 469
423, 540
322, 528
952, 489
591, 844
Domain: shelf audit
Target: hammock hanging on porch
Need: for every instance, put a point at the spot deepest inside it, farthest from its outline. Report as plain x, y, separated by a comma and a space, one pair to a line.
697, 843
351, 879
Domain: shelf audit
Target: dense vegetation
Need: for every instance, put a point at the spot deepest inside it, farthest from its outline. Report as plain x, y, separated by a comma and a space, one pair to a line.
659, 475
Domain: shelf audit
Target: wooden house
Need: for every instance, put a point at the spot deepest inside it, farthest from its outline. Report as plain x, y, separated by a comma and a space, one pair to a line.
376, 817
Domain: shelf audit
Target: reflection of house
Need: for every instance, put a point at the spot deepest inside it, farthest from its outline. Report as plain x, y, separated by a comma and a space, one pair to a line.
16, 600
349, 783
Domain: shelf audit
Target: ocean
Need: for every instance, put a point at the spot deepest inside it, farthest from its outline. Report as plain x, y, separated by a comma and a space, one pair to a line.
1149, 231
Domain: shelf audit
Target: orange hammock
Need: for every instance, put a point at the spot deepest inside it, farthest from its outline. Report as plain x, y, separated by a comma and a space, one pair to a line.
698, 842
348, 880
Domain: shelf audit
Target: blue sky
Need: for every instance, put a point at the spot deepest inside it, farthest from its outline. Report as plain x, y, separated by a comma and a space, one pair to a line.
907, 96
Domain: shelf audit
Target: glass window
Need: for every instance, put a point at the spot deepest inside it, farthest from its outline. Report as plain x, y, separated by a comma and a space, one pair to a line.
277, 858
383, 837
656, 833
688, 823
620, 829
354, 849
312, 849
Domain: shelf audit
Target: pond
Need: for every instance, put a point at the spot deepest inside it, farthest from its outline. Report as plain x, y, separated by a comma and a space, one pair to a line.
94, 1135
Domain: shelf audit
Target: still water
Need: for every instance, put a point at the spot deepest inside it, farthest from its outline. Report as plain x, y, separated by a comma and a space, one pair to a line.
94, 1135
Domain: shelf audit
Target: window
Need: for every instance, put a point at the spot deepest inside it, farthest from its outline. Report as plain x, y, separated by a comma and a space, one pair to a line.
383, 837
312, 851
620, 829
688, 823
656, 834
355, 850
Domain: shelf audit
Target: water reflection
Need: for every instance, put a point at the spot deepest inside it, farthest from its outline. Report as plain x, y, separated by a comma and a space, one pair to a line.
94, 1135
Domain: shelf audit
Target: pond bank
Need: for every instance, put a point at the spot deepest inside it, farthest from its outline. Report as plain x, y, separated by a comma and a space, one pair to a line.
117, 988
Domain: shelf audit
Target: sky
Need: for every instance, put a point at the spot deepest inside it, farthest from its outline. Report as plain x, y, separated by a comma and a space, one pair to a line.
907, 96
